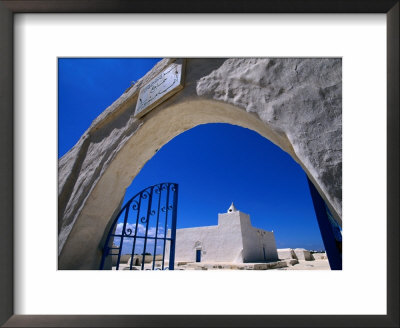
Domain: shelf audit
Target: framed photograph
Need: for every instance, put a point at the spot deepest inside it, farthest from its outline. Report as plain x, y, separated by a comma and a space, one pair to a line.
41, 288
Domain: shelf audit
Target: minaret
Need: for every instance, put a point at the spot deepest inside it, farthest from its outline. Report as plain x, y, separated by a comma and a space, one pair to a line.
233, 216
231, 208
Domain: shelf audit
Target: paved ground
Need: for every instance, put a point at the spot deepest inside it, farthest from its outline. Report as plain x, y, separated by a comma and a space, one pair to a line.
281, 265
309, 265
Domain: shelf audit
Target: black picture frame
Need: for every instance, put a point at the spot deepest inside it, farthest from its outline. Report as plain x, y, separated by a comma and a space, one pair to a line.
7, 198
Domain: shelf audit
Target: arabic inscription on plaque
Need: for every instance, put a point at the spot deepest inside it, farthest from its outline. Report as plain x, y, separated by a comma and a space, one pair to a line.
163, 86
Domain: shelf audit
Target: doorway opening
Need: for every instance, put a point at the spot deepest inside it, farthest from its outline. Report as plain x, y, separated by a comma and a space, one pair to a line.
198, 255
216, 164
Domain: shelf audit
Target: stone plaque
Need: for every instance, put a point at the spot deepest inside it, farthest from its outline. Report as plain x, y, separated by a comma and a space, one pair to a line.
159, 89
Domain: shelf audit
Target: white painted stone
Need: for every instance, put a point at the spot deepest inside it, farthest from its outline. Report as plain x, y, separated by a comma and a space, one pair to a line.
234, 266
286, 254
137, 259
303, 254
295, 103
319, 256
233, 240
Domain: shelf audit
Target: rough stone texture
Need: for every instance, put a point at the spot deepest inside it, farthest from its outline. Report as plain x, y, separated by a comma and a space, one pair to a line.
298, 98
295, 103
292, 261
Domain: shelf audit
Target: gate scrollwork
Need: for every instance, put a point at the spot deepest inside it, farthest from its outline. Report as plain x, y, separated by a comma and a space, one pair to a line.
144, 224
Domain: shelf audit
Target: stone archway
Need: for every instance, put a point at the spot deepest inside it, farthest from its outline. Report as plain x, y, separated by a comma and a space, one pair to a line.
295, 103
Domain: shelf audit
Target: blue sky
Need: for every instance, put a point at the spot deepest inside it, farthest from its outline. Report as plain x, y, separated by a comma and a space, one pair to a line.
214, 164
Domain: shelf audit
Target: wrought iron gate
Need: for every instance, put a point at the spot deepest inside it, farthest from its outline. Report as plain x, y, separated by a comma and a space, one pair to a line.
141, 230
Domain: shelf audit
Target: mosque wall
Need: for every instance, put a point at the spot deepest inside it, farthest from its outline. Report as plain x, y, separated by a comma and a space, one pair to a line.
232, 240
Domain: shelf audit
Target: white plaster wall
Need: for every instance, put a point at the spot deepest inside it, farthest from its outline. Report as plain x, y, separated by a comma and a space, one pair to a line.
252, 248
217, 244
254, 240
269, 243
233, 240
229, 226
237, 217
186, 240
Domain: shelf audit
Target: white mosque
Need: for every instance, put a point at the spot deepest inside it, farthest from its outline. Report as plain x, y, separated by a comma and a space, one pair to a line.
234, 239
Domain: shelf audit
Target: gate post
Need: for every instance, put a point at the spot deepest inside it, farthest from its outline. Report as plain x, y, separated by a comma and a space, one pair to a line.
328, 237
173, 229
